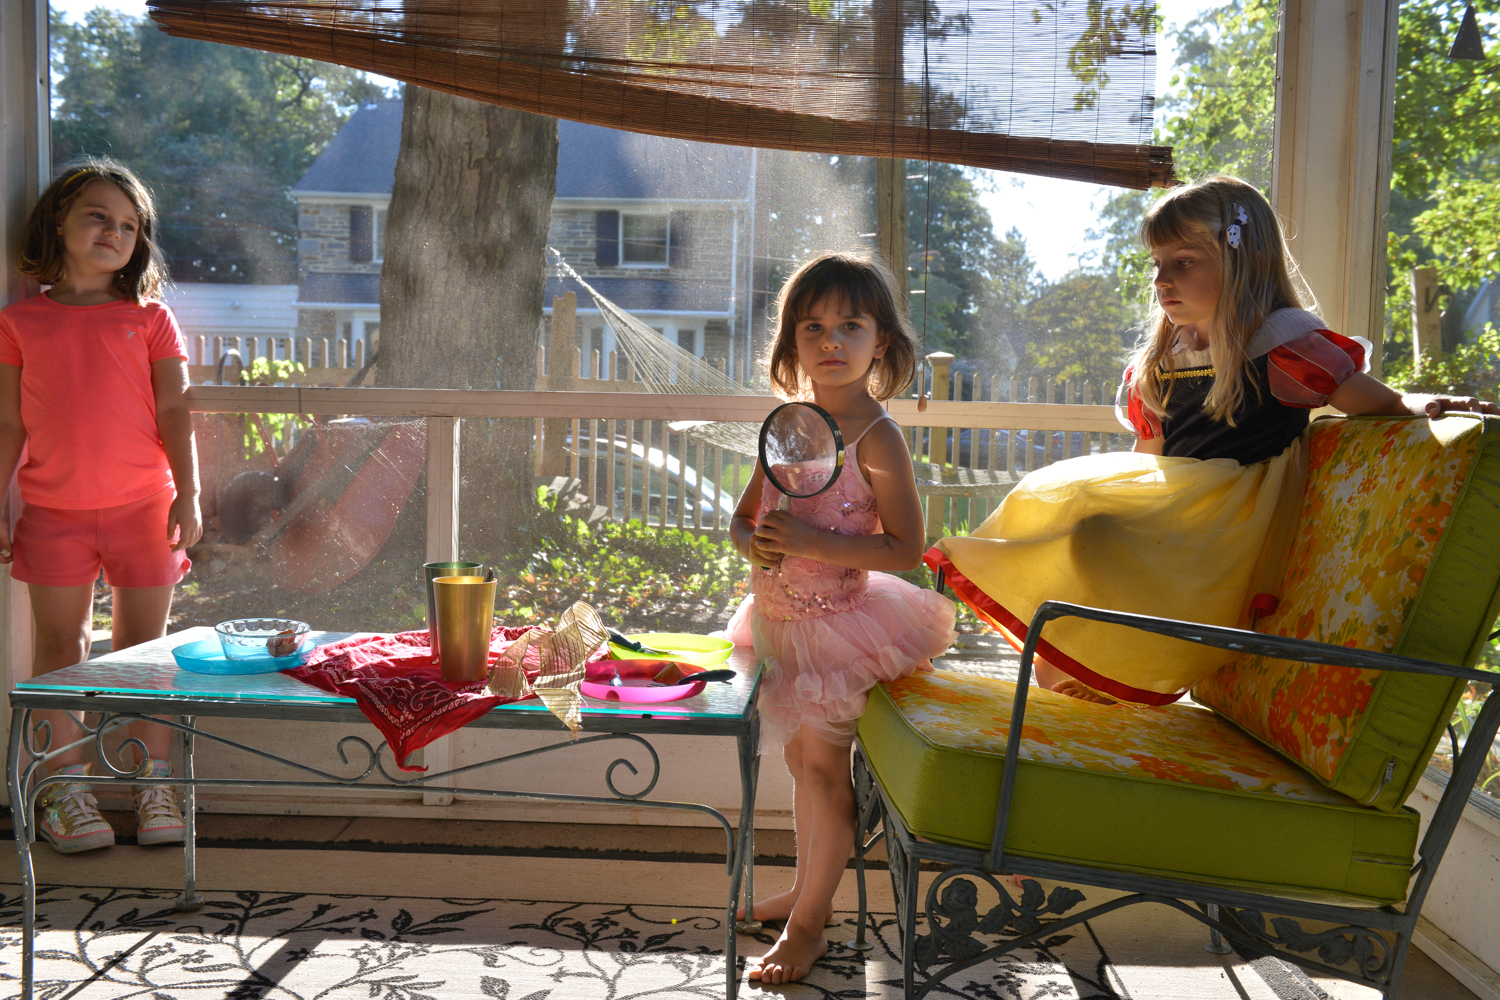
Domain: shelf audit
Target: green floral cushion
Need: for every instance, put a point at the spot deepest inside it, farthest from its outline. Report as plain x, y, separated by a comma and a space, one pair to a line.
1175, 791
1398, 550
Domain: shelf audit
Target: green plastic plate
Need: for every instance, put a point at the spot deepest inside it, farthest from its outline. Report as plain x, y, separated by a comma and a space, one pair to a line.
700, 649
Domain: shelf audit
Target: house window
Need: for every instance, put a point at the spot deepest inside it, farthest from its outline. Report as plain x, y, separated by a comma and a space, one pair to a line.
688, 340
643, 240
366, 234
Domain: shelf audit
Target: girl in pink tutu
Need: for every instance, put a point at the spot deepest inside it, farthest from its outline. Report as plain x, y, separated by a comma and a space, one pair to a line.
821, 614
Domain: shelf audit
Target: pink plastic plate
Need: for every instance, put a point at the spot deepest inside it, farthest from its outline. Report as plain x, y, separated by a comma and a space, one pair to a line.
640, 691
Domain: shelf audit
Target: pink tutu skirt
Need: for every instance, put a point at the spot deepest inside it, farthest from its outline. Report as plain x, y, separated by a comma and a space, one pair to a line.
819, 671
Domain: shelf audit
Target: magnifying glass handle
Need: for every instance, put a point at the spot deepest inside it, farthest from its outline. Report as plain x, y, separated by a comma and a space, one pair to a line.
785, 503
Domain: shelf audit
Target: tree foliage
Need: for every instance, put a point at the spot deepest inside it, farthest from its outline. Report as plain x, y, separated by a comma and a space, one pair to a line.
1219, 115
977, 282
1445, 165
1080, 328
218, 134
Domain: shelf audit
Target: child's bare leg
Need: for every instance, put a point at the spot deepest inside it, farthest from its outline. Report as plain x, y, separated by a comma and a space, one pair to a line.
779, 907
62, 616
140, 615
825, 768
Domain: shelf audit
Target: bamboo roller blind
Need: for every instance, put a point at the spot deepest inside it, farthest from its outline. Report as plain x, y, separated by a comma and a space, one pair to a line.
1061, 88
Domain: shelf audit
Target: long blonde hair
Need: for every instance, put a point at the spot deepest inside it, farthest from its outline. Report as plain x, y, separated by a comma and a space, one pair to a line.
1257, 277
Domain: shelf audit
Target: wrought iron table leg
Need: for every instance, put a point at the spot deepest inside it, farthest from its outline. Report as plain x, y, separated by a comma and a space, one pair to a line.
749, 778
1216, 943
189, 900
21, 820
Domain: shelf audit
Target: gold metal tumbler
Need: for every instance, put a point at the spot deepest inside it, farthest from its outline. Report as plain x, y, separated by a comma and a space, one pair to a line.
465, 611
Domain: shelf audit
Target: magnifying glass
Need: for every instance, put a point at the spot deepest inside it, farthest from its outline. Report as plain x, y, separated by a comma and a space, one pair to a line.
801, 451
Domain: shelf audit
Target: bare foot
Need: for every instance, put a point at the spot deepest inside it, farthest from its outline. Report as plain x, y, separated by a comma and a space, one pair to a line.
791, 958
1077, 689
776, 908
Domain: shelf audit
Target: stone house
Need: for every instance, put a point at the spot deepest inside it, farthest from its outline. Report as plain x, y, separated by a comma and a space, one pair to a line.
659, 226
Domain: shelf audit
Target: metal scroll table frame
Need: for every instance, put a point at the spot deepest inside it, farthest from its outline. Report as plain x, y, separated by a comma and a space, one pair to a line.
30, 749
1375, 940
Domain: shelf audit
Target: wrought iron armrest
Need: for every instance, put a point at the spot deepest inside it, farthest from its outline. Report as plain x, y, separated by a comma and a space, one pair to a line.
1466, 770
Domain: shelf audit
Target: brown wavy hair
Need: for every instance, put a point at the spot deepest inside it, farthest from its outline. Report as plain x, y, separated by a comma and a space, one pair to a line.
1256, 278
41, 250
867, 285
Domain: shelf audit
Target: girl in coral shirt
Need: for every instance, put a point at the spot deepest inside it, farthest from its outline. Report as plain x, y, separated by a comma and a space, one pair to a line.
92, 380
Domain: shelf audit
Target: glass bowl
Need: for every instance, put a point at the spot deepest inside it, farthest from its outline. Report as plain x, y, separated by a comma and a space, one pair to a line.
261, 638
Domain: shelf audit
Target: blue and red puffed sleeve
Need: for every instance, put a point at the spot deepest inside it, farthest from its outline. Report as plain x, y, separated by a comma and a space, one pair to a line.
1305, 371
1132, 411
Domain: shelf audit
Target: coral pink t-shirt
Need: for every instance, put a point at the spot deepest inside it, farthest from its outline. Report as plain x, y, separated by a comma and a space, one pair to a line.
87, 401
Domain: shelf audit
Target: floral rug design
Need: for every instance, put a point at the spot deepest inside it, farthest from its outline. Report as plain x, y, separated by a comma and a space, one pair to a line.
96, 943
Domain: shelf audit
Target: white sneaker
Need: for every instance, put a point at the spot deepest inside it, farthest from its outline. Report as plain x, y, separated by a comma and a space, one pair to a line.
70, 819
157, 818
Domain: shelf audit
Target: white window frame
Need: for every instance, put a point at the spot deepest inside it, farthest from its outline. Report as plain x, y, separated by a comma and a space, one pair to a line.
377, 234
647, 265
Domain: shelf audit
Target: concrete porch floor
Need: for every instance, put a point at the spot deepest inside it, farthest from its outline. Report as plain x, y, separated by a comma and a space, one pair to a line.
1159, 953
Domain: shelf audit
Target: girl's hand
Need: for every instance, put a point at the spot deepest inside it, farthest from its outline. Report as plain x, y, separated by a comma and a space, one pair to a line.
1436, 406
1362, 396
184, 521
5, 543
761, 558
782, 533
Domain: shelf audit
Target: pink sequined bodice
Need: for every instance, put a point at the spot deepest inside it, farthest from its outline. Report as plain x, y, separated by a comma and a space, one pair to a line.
807, 588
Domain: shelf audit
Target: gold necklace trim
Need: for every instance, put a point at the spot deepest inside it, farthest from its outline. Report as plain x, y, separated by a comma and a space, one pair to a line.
1189, 373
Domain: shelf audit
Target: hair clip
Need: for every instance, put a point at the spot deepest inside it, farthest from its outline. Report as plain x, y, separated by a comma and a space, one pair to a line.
1233, 232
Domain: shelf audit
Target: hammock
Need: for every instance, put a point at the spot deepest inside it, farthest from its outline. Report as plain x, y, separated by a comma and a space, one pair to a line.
662, 366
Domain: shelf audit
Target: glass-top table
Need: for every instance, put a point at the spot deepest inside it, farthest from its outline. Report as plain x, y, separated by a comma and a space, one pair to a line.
144, 684
146, 678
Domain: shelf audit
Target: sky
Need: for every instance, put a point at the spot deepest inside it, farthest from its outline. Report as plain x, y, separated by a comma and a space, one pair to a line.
1053, 215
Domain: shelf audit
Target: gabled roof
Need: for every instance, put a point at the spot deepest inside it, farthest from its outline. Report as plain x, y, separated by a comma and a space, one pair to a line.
361, 158
597, 162
592, 162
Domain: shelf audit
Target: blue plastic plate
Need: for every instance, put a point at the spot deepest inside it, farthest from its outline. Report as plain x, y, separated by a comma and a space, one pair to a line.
206, 656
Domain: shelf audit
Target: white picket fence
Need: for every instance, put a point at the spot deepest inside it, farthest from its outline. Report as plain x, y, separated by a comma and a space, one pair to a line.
980, 434
645, 470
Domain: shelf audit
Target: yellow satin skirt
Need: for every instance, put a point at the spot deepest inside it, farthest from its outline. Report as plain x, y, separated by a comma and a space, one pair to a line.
1171, 537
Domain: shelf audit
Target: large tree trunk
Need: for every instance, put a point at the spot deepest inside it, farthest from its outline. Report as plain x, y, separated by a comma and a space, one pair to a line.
462, 285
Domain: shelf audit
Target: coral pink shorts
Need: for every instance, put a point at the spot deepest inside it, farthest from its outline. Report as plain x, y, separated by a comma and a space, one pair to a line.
66, 548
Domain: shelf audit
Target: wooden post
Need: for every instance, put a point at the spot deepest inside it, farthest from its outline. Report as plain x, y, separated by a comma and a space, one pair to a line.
890, 174
561, 349
1029, 459
442, 545
1426, 315
890, 223
1068, 397
937, 447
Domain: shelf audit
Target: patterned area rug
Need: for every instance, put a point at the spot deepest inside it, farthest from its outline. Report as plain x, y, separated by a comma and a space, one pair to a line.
119, 943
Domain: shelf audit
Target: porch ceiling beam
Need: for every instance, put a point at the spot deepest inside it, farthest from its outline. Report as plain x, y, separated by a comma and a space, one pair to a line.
1334, 115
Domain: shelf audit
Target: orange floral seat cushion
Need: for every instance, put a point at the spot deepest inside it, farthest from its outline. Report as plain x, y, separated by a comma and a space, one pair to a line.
1398, 550
1176, 791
